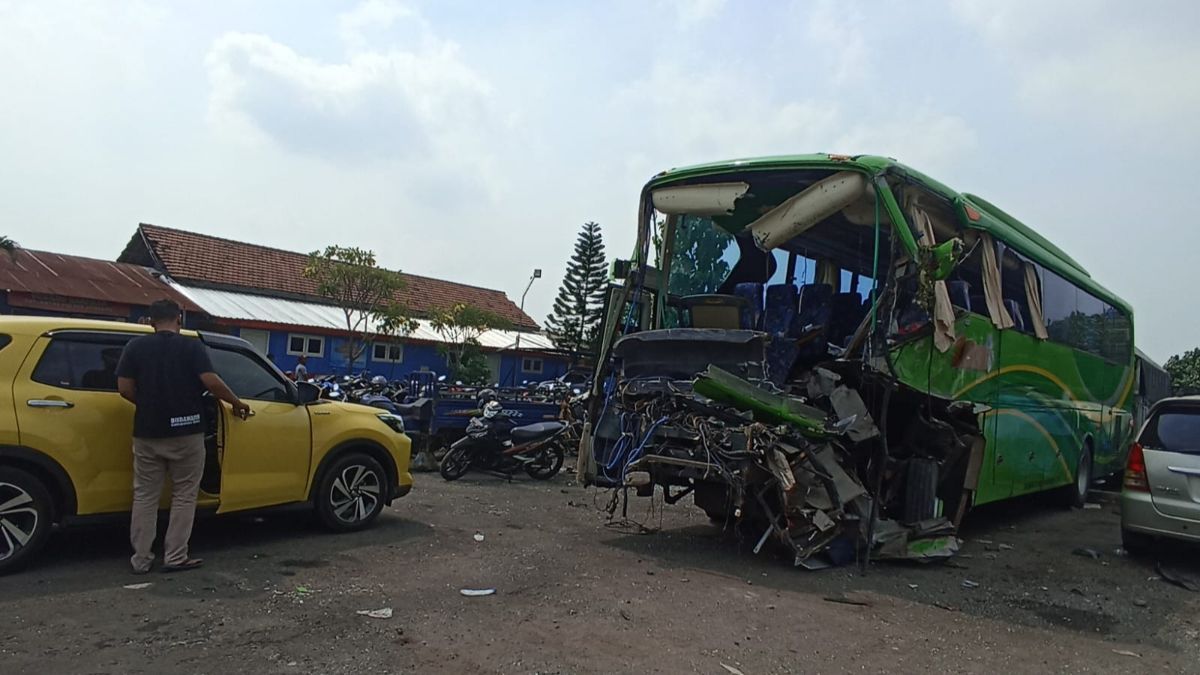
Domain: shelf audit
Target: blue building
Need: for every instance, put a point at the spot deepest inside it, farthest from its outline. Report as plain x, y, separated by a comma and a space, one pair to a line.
261, 295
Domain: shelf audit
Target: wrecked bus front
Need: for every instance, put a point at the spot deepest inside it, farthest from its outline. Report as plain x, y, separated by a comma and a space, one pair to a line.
845, 351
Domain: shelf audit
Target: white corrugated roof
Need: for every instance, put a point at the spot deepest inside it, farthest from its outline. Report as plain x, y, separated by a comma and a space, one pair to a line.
249, 307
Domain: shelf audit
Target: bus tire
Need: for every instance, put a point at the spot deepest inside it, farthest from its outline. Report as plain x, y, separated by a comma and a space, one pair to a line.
920, 490
1075, 495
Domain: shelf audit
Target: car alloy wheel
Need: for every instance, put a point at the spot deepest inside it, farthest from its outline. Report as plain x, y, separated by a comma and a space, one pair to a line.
355, 493
19, 520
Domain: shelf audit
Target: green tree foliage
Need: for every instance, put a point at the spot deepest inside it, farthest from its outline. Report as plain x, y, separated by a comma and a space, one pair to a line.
460, 326
698, 261
8, 245
1185, 372
364, 292
575, 320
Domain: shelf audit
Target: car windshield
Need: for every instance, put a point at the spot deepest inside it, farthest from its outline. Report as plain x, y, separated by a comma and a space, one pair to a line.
1175, 429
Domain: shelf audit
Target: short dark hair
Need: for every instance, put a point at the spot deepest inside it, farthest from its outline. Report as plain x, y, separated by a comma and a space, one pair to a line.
164, 310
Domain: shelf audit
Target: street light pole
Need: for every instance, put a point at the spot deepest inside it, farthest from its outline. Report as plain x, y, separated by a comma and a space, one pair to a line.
537, 274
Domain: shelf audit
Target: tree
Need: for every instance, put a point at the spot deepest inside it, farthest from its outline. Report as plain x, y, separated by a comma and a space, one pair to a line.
363, 291
574, 324
461, 325
8, 246
1185, 372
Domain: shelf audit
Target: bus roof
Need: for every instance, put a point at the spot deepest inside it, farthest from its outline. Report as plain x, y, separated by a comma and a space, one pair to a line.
992, 219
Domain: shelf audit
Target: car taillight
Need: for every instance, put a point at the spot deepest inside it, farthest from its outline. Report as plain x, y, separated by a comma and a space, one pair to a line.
1135, 470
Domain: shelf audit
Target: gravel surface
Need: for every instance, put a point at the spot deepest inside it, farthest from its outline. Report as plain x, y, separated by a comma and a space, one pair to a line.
574, 593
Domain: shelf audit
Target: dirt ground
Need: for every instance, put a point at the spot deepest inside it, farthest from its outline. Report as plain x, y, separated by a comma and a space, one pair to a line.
575, 595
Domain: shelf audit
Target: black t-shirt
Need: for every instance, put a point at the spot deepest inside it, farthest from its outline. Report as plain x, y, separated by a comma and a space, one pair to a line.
167, 368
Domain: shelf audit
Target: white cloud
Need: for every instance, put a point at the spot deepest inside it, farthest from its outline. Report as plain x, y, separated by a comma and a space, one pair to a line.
417, 105
701, 116
1103, 62
357, 27
836, 31
695, 11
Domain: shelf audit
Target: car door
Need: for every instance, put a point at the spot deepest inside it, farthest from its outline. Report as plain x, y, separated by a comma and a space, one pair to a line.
67, 406
1171, 447
265, 460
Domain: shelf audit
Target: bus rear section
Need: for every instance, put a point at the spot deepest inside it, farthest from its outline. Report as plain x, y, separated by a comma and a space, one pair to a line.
811, 351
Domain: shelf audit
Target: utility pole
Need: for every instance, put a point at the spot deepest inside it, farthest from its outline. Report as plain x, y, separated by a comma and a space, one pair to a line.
537, 274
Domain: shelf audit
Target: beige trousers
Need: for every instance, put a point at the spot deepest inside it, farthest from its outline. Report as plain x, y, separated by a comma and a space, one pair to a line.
153, 459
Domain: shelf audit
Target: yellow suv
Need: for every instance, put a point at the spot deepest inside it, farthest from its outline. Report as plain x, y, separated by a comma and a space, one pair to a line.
65, 436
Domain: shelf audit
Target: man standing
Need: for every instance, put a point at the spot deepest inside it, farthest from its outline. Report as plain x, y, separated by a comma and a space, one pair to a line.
302, 369
165, 375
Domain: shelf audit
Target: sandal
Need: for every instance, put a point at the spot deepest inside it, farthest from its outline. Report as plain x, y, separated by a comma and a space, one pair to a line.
189, 564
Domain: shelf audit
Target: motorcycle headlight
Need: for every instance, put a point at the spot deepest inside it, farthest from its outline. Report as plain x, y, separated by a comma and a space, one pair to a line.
394, 421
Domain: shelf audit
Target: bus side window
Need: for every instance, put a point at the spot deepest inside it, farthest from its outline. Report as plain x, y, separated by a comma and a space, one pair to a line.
1012, 281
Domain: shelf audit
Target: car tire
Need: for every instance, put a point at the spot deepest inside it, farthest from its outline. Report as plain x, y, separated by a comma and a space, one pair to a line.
352, 493
1075, 495
1136, 543
26, 519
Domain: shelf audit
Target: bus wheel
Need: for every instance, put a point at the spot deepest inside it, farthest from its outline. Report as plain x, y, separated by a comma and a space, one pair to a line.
1075, 495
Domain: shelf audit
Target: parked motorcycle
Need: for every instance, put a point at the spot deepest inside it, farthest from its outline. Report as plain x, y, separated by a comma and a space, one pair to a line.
493, 442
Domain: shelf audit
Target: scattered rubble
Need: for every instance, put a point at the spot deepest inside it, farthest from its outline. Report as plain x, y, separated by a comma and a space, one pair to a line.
382, 613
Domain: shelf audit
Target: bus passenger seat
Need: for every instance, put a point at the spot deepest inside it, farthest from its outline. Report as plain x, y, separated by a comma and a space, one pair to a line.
960, 293
779, 316
846, 312
815, 314
814, 305
780, 309
752, 292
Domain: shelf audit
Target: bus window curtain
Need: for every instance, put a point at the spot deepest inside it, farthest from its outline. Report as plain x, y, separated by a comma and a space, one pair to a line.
943, 311
828, 273
991, 285
1034, 296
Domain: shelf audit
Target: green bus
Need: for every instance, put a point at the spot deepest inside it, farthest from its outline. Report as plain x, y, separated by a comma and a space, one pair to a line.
865, 266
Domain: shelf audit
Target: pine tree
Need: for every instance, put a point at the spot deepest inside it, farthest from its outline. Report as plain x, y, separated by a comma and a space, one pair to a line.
575, 321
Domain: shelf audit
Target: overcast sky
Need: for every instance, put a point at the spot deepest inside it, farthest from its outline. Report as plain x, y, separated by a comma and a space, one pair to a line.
469, 140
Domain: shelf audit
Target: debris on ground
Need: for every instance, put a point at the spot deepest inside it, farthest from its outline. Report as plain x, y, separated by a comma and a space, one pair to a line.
1092, 506
967, 583
382, 613
478, 537
1085, 552
731, 669
477, 592
1126, 652
138, 587
1177, 578
843, 600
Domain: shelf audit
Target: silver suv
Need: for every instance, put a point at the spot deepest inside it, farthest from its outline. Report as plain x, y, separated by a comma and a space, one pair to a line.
1161, 493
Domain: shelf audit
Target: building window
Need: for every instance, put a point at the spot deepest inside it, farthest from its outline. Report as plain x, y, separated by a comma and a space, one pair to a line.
306, 345
387, 352
529, 365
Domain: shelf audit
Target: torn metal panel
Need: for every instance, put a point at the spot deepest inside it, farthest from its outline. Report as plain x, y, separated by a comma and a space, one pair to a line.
849, 405
807, 208
711, 199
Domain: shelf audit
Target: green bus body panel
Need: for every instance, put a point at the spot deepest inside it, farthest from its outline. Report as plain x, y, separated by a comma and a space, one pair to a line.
1043, 402
1080, 399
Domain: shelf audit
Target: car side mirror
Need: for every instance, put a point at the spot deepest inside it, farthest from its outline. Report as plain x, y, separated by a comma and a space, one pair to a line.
307, 392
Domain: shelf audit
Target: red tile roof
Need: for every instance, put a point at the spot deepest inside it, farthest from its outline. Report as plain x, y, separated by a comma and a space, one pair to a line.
54, 274
207, 260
